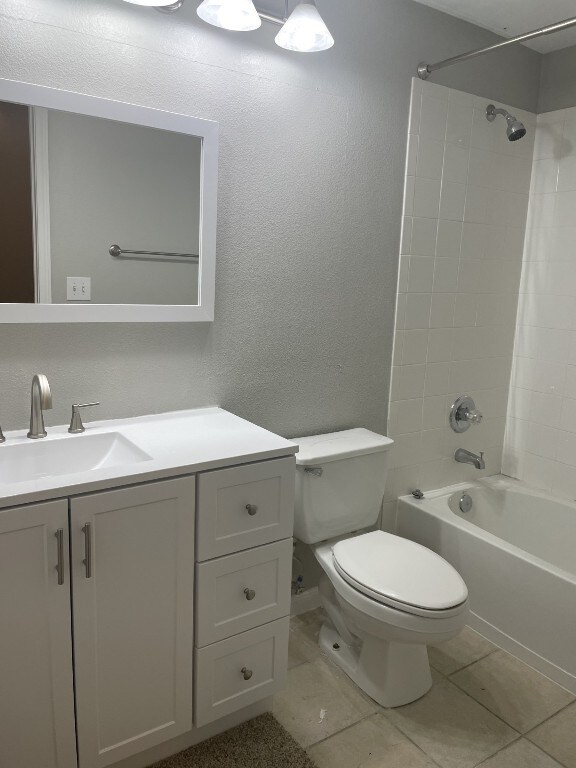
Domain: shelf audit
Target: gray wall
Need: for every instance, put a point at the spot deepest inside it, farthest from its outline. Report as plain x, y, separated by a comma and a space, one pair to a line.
113, 183
558, 80
311, 172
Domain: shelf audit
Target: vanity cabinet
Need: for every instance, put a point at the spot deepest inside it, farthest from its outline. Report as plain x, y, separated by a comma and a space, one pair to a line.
133, 607
133, 616
245, 514
36, 686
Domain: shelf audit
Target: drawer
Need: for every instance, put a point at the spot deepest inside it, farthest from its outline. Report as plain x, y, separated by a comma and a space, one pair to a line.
242, 591
244, 507
239, 671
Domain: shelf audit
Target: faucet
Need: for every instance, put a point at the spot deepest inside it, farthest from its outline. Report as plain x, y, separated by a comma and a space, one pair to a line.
40, 400
467, 457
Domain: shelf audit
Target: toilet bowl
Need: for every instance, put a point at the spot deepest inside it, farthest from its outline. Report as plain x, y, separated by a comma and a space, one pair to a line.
379, 636
386, 598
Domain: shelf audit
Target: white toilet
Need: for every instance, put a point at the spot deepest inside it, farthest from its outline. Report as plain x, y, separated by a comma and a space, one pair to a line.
386, 597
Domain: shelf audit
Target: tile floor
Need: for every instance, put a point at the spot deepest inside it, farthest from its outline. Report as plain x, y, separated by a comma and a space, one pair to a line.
485, 708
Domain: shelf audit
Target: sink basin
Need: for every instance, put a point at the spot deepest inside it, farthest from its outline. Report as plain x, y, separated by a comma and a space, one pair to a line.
33, 460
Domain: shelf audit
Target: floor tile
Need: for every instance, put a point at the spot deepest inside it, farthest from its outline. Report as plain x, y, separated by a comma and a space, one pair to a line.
557, 736
451, 727
371, 743
521, 754
462, 650
303, 644
518, 694
318, 702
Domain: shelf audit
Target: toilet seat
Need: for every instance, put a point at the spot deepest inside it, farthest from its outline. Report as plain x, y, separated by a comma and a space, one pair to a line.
400, 573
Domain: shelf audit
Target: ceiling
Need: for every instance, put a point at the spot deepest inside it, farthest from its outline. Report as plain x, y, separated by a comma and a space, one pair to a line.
515, 17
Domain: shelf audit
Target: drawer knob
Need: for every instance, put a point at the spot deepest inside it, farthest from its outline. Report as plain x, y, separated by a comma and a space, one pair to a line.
251, 509
250, 594
247, 673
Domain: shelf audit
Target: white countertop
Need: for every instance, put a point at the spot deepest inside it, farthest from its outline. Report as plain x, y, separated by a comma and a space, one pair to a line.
178, 443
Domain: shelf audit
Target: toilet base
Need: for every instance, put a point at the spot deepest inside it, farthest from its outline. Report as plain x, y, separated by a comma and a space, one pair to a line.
393, 674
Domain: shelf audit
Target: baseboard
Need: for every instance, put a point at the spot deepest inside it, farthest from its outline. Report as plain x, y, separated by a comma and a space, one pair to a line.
305, 601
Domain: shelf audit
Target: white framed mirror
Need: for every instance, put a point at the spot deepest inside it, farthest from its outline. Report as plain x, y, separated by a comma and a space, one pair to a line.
108, 210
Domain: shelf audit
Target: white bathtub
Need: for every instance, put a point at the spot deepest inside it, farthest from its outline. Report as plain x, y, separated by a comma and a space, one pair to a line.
516, 550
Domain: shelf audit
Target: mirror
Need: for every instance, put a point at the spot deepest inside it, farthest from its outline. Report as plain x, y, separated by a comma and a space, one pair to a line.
110, 212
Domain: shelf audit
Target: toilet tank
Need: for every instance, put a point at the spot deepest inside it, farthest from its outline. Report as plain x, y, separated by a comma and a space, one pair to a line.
340, 480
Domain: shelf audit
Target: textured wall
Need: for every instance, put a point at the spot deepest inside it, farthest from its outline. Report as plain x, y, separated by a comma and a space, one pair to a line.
462, 240
311, 173
557, 81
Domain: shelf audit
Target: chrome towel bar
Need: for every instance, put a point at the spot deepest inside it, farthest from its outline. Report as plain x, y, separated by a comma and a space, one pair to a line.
120, 253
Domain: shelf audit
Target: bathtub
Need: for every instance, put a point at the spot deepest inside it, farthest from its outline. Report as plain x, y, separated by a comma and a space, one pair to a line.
516, 550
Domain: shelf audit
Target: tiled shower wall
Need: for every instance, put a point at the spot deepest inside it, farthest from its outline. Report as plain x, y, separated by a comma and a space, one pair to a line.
465, 209
540, 443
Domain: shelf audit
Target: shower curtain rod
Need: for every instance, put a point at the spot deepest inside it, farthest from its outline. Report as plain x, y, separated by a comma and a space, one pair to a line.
425, 70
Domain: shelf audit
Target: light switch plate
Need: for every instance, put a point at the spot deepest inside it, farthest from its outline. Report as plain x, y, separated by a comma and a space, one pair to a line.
78, 288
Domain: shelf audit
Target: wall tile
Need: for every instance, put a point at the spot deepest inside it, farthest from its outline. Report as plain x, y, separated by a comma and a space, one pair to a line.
407, 382
415, 347
426, 198
421, 277
417, 310
430, 159
446, 275
456, 160
424, 233
459, 124
452, 201
464, 226
448, 244
433, 117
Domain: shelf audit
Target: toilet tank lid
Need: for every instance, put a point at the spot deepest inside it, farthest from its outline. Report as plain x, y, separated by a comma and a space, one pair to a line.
335, 446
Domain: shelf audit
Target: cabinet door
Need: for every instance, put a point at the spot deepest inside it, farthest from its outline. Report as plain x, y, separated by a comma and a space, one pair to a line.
133, 588
36, 686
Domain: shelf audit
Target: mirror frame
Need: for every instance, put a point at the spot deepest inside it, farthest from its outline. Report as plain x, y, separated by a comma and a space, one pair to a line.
68, 101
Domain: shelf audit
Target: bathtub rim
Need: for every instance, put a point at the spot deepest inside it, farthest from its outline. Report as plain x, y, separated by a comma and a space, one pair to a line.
495, 481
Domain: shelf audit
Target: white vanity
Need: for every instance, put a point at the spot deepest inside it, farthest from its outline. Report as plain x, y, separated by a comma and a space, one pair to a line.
144, 594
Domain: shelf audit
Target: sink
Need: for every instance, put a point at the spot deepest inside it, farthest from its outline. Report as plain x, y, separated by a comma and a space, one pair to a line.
31, 461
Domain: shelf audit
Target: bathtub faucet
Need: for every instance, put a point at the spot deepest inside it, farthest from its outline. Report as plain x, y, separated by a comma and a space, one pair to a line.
467, 457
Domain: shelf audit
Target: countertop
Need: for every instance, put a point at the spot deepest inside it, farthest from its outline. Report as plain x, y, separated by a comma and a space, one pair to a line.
178, 443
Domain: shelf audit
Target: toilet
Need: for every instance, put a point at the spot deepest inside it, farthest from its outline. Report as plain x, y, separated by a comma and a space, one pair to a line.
386, 598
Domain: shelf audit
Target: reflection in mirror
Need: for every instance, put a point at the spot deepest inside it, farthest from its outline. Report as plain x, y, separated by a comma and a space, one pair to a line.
80, 185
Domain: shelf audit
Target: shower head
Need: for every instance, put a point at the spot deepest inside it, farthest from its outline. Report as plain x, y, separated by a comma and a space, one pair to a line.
515, 129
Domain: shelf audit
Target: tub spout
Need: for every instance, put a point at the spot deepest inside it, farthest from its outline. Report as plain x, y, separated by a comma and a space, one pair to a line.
467, 457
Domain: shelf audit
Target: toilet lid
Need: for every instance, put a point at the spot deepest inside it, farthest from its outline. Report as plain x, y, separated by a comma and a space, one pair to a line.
399, 572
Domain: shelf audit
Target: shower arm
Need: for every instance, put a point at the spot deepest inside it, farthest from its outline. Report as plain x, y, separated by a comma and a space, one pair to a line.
425, 70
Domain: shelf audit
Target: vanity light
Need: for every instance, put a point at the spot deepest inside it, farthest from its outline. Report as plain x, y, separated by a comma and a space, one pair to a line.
237, 15
305, 30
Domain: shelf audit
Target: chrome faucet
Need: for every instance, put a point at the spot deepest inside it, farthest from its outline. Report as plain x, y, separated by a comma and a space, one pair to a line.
40, 400
467, 457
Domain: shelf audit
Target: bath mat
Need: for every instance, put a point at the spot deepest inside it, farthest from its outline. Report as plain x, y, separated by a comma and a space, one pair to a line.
258, 743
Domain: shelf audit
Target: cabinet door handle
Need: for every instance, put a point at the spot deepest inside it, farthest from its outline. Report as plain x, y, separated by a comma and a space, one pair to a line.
60, 548
246, 673
250, 593
251, 509
87, 530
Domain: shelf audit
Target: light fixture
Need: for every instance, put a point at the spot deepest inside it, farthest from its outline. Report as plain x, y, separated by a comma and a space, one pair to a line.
237, 15
305, 30
153, 3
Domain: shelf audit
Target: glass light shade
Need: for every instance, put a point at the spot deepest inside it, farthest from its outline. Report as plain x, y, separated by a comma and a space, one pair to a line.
305, 30
151, 3
237, 15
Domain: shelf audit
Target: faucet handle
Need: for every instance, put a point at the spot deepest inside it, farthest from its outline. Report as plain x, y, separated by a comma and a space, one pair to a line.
76, 425
473, 416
